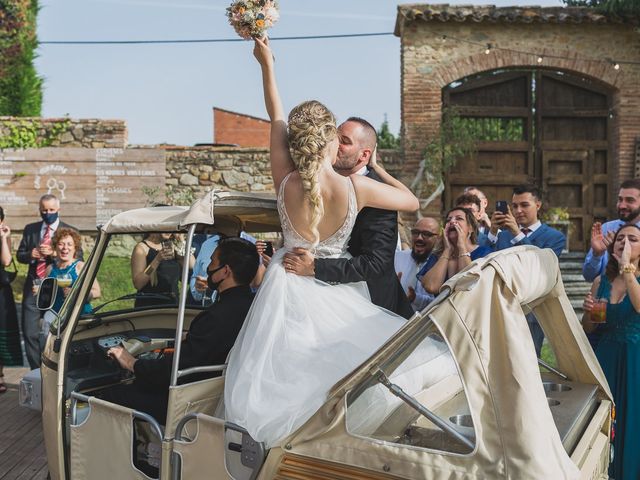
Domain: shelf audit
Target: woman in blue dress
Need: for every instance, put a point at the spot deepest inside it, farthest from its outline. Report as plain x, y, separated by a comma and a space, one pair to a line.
618, 349
457, 248
66, 267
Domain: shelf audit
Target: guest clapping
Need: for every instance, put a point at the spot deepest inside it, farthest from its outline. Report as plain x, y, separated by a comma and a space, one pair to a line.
613, 305
458, 248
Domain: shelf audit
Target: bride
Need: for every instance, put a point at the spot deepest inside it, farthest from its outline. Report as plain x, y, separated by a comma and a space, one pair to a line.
302, 335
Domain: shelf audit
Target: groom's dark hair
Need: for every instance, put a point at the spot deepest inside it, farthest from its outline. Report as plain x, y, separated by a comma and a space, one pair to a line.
241, 256
369, 130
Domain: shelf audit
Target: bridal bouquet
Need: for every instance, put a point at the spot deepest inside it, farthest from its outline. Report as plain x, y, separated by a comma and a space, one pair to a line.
252, 18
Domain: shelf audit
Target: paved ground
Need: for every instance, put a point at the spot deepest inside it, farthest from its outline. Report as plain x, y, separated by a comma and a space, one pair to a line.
22, 454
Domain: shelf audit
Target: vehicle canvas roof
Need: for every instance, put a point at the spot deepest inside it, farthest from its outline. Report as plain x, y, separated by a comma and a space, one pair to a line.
481, 313
236, 211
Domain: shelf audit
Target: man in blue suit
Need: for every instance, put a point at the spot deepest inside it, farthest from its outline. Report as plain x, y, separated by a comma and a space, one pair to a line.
521, 226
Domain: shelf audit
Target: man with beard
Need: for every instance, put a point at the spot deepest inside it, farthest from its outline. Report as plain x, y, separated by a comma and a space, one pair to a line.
409, 262
602, 234
374, 237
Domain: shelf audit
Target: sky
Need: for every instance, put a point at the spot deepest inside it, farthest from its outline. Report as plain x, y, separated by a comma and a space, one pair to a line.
166, 93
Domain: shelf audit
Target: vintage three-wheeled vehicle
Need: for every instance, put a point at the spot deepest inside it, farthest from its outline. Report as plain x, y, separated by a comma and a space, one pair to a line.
458, 392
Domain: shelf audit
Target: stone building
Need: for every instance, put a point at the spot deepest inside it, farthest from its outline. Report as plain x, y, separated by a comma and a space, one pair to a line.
548, 91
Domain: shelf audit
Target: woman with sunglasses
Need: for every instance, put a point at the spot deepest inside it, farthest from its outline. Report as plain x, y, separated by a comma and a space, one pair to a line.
458, 247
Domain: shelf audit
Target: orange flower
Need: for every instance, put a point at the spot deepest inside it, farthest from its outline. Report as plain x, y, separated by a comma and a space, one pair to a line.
259, 23
241, 10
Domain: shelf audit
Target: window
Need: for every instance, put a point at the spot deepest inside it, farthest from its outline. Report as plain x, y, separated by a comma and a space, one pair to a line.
491, 129
158, 287
425, 370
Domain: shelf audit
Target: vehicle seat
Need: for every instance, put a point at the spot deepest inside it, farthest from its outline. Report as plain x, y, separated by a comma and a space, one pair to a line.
198, 397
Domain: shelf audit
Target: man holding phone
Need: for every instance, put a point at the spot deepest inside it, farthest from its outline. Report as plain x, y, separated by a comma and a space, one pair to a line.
519, 225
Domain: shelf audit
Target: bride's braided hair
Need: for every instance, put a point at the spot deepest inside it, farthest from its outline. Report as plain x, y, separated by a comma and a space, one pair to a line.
311, 128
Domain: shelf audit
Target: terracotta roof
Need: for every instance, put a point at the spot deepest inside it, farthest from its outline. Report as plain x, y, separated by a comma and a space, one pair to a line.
490, 13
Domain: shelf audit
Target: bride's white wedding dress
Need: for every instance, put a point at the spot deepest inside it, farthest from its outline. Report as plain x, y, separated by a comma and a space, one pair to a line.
300, 337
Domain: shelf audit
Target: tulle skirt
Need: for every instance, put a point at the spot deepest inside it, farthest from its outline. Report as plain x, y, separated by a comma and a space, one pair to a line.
300, 337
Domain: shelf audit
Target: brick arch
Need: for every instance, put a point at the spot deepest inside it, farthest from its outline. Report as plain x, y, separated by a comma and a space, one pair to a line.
599, 71
571, 159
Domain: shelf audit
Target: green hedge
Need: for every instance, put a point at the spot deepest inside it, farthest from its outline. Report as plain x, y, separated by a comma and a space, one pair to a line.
20, 85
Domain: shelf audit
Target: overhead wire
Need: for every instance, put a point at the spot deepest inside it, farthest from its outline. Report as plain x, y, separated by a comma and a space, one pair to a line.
486, 47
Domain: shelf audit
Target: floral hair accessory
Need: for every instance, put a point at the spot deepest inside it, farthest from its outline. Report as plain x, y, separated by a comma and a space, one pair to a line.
252, 18
299, 117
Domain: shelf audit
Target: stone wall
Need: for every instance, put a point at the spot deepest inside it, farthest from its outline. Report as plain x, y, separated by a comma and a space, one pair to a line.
69, 132
198, 169
192, 171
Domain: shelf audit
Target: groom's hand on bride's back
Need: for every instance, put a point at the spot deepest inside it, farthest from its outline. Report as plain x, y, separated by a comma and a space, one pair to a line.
300, 261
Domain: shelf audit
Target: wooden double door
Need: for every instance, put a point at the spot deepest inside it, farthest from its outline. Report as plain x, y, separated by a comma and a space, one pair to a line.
539, 126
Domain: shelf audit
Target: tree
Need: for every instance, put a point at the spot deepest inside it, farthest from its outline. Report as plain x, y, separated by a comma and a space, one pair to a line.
615, 7
386, 139
455, 139
20, 85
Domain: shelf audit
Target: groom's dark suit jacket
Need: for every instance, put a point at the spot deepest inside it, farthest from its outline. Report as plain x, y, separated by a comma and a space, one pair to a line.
373, 244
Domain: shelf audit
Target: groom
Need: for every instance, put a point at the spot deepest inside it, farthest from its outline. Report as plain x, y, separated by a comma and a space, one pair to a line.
373, 239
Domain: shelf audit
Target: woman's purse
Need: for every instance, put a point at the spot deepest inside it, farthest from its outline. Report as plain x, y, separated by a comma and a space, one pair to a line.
6, 277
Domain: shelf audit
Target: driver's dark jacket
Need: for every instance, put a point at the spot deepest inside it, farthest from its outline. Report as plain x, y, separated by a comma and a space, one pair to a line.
210, 338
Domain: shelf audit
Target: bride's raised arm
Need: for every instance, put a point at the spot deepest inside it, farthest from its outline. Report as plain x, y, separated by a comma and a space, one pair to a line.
390, 194
281, 163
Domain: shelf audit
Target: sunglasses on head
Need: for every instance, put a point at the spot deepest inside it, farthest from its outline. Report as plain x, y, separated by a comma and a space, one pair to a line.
425, 233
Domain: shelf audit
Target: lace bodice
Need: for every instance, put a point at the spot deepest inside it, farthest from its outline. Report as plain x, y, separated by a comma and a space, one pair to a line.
333, 246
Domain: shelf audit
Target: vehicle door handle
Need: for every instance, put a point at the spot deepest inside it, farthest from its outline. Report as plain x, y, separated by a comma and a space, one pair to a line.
235, 447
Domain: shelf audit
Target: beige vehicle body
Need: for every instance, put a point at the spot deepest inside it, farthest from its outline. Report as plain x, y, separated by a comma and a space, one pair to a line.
456, 393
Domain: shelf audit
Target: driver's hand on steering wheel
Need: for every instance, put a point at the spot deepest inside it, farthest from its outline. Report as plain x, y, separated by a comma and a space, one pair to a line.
124, 358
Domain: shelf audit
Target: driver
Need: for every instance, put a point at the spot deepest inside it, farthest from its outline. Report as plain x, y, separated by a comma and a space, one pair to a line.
211, 335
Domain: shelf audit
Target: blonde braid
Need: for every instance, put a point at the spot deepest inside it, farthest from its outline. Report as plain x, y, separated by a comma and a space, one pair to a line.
311, 128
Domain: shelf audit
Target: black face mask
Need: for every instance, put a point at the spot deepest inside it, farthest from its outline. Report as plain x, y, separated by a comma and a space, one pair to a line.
213, 286
49, 218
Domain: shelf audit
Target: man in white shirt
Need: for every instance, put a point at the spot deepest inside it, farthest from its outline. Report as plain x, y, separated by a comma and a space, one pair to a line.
409, 262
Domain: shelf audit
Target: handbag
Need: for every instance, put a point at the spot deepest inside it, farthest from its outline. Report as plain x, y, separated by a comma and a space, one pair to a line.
6, 277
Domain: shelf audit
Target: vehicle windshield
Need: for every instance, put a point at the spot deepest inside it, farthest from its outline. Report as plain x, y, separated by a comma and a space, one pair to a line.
416, 397
141, 271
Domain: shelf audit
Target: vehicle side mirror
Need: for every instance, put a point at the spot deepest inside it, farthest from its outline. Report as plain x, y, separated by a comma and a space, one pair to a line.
47, 294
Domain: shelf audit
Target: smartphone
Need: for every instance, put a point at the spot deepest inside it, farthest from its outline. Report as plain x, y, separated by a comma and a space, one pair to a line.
502, 206
268, 249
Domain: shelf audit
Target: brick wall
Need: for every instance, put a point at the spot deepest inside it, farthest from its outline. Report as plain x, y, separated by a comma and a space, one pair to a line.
242, 130
429, 63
